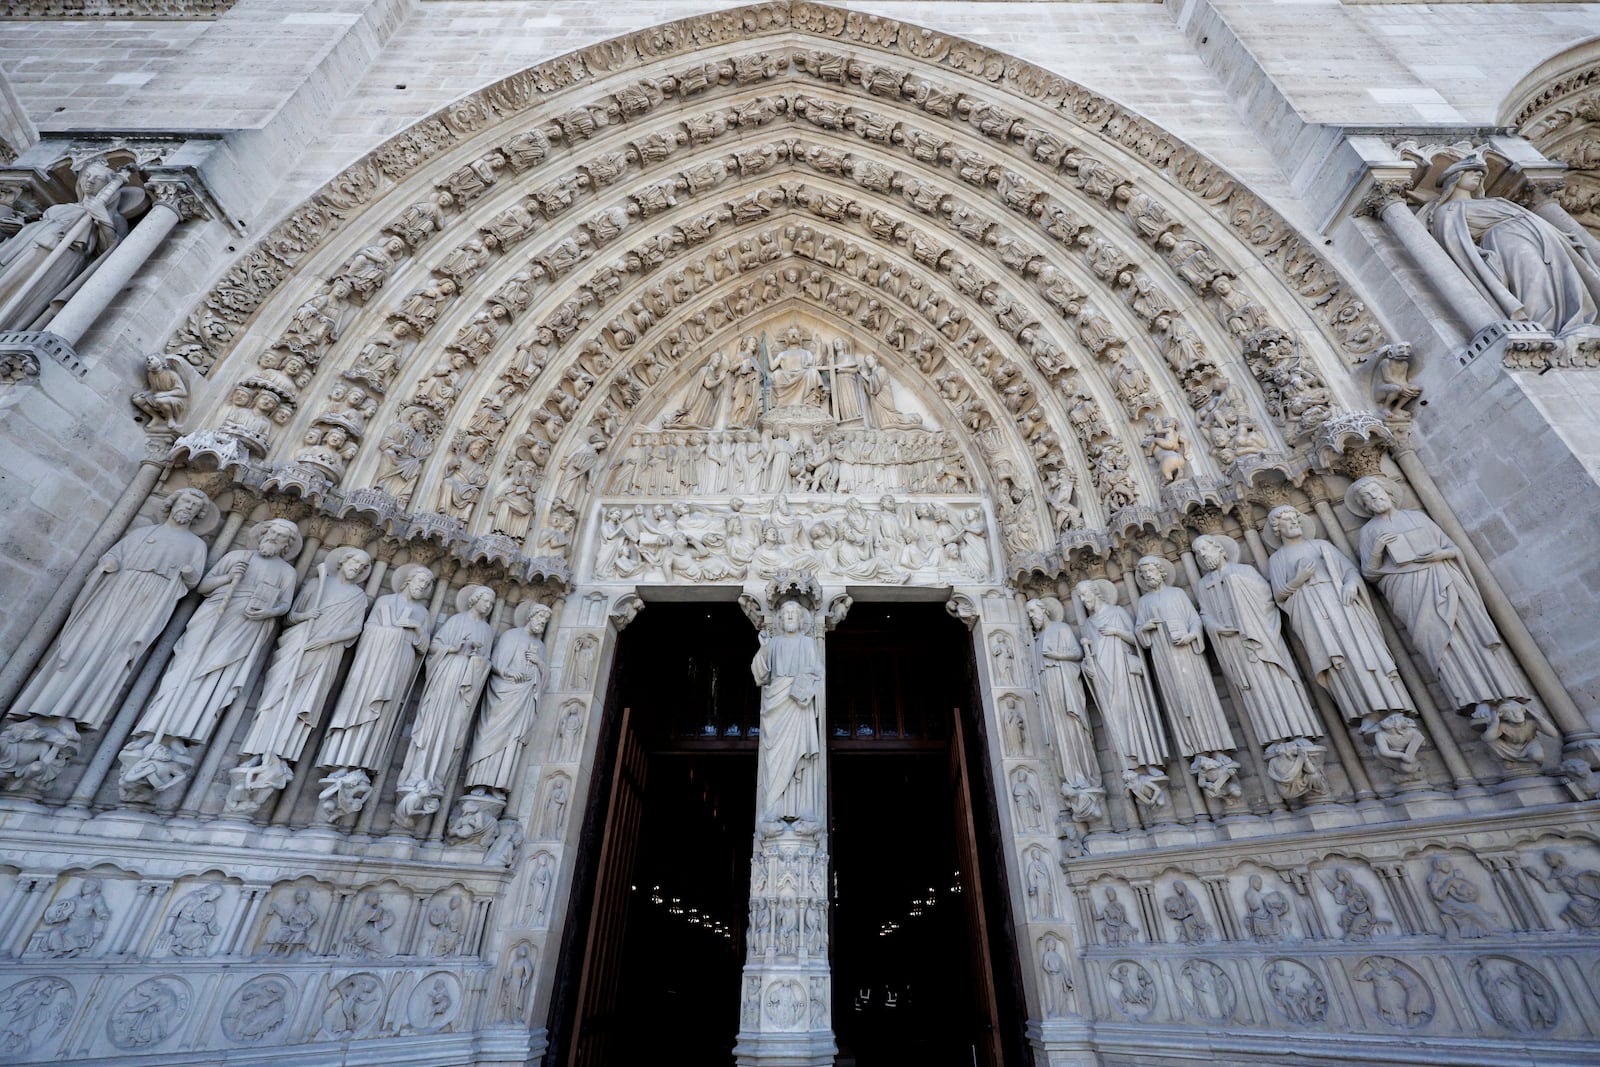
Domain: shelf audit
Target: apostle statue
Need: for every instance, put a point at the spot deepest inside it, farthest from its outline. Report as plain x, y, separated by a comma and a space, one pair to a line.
1527, 268
380, 679
1065, 709
46, 261
1121, 688
1237, 609
788, 667
458, 667
121, 611
1170, 628
517, 674
246, 593
324, 621
1238, 612
1420, 572
1329, 609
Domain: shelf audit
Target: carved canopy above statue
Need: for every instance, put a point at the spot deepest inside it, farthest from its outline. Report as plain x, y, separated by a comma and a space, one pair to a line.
482, 322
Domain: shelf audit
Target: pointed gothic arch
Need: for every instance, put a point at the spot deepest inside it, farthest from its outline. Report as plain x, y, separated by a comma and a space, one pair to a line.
500, 243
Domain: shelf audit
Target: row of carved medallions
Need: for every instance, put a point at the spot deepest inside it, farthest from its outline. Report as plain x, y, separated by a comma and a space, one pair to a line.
577, 374
66, 1015
1186, 352
215, 325
1340, 915
116, 915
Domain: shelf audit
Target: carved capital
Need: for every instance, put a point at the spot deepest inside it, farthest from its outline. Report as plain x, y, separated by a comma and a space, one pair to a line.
178, 195
1382, 194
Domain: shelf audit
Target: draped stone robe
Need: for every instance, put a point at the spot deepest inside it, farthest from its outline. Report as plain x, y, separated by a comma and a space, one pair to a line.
1122, 688
1061, 692
789, 670
1343, 642
220, 647
1243, 623
1440, 608
116, 618
516, 675
385, 666
458, 666
304, 668
1193, 710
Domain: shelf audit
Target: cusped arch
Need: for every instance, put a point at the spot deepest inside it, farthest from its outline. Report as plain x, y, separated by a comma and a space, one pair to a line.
1087, 244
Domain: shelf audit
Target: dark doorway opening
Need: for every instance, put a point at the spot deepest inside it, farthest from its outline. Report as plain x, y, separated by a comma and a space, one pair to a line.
922, 961
921, 938
651, 961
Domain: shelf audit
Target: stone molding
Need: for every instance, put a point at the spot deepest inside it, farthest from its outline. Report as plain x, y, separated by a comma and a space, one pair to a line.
186, 10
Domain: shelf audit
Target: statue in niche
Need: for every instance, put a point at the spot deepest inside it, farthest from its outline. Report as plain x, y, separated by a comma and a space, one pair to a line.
120, 612
1327, 604
1066, 710
1527, 268
1113, 919
1170, 628
516, 984
1238, 612
290, 932
569, 735
1166, 447
1041, 886
165, 398
1457, 899
385, 667
457, 668
1026, 802
1003, 651
1121, 687
246, 593
1582, 887
325, 620
194, 922
1057, 978
72, 926
43, 265
543, 881
367, 928
517, 672
1184, 910
1421, 575
788, 667
703, 407
554, 816
1264, 912
1357, 921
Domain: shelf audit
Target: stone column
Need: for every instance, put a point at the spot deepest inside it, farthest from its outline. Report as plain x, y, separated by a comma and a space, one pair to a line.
1471, 311
785, 1013
174, 202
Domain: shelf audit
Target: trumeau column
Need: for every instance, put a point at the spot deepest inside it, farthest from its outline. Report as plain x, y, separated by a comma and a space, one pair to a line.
786, 995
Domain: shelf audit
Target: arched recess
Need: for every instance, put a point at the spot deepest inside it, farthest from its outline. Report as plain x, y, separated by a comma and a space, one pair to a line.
1557, 107
1084, 282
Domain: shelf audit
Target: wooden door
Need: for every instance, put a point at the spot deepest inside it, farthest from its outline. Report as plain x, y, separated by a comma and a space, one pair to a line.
598, 1017
985, 1007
